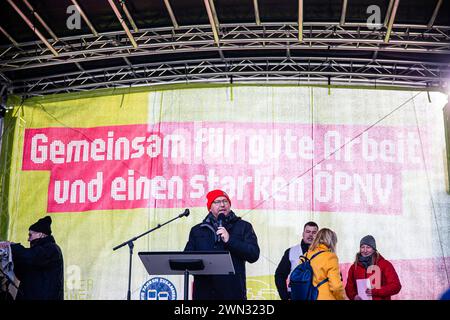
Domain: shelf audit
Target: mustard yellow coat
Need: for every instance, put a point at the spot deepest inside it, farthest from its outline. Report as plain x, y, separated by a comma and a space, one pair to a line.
326, 265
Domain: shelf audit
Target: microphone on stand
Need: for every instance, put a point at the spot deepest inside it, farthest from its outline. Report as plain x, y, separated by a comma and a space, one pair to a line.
184, 214
130, 244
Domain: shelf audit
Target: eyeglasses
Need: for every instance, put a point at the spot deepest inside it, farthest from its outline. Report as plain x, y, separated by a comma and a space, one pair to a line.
224, 202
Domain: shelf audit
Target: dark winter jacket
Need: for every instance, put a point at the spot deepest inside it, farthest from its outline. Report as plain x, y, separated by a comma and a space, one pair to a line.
40, 270
281, 274
389, 286
242, 245
289, 261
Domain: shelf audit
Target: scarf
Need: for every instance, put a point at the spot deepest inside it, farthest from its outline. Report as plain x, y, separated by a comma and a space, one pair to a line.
41, 241
305, 246
365, 261
211, 222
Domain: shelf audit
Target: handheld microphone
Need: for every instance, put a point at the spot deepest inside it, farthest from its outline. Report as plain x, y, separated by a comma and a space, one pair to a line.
220, 219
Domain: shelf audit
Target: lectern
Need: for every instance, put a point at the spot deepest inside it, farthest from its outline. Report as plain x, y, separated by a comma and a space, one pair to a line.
189, 262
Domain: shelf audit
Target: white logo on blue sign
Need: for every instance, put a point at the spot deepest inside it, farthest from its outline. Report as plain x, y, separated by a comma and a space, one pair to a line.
158, 289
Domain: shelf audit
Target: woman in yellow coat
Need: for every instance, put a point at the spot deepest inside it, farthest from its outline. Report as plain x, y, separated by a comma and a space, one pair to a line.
326, 265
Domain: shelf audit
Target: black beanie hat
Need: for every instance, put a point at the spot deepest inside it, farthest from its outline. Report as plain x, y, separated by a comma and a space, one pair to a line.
43, 225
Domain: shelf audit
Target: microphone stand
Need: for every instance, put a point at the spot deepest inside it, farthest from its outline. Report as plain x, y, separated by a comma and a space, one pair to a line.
131, 246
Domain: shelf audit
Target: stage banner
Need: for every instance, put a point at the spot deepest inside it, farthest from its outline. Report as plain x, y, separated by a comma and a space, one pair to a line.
109, 165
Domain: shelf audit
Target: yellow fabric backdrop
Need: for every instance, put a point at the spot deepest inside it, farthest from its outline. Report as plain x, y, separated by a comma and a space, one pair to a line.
416, 239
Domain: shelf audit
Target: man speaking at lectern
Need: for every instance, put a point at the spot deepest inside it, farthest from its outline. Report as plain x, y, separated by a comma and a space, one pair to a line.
222, 230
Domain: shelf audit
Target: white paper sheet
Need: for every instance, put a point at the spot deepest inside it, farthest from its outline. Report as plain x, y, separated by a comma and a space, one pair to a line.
362, 285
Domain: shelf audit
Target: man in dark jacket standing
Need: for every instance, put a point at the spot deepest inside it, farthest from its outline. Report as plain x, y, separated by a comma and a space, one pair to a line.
222, 230
39, 268
291, 258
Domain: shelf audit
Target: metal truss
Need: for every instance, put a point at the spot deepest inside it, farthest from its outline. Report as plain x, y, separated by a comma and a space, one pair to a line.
316, 70
248, 40
233, 37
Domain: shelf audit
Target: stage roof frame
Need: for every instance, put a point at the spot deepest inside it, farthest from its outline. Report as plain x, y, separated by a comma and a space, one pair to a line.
123, 43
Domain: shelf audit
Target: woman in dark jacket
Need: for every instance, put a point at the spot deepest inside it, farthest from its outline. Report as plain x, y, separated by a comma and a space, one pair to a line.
222, 230
370, 264
39, 268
